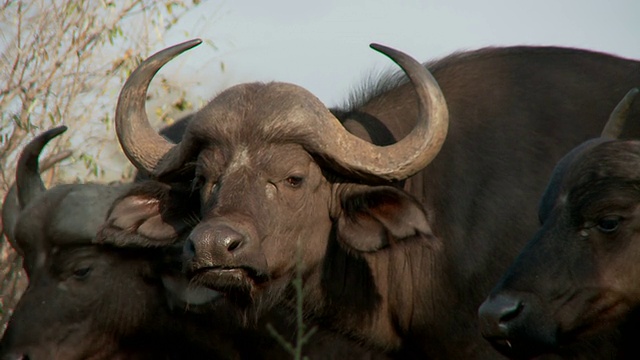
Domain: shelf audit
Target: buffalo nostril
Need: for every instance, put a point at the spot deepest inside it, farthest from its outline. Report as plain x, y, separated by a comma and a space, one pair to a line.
229, 238
189, 249
233, 244
498, 313
511, 311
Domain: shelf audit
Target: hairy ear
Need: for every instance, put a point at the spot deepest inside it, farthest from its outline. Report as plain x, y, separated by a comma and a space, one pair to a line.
373, 218
152, 214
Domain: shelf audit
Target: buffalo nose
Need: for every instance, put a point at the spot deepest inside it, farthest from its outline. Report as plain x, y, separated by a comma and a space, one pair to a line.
497, 313
208, 243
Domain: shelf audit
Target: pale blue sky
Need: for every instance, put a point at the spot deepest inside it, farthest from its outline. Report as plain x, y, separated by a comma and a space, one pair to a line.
323, 45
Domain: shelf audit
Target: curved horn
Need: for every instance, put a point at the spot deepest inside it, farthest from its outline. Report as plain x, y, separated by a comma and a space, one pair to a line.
140, 142
28, 181
409, 155
615, 124
11, 207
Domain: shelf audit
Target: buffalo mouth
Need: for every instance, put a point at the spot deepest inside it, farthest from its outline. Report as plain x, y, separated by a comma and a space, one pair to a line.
228, 280
515, 348
591, 326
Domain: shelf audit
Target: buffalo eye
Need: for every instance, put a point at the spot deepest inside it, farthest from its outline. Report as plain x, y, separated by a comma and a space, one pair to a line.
608, 224
82, 273
294, 181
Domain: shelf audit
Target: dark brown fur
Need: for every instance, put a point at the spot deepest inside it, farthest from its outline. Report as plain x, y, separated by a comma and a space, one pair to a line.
403, 270
101, 301
577, 278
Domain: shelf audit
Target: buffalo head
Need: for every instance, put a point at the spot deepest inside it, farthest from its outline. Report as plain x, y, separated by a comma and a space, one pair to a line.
83, 300
278, 178
577, 279
53, 230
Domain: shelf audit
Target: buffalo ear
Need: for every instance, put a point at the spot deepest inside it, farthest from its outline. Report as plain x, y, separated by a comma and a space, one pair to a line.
151, 214
373, 218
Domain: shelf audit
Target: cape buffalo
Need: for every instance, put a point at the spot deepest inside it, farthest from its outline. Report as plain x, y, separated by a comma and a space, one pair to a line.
578, 278
90, 301
14, 280
65, 313
396, 247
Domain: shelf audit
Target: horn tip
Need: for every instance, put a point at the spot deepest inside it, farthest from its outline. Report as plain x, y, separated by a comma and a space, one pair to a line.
192, 43
51, 133
182, 47
379, 47
390, 52
59, 129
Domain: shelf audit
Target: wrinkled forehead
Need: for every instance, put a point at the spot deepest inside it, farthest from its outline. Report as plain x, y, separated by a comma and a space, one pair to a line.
265, 112
596, 167
607, 160
273, 156
81, 213
65, 215
560, 180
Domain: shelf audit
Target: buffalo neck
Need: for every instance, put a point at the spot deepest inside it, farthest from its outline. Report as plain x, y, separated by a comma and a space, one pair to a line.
361, 294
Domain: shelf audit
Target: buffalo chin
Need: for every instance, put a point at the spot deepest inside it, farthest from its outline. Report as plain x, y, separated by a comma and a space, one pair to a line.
237, 283
516, 349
